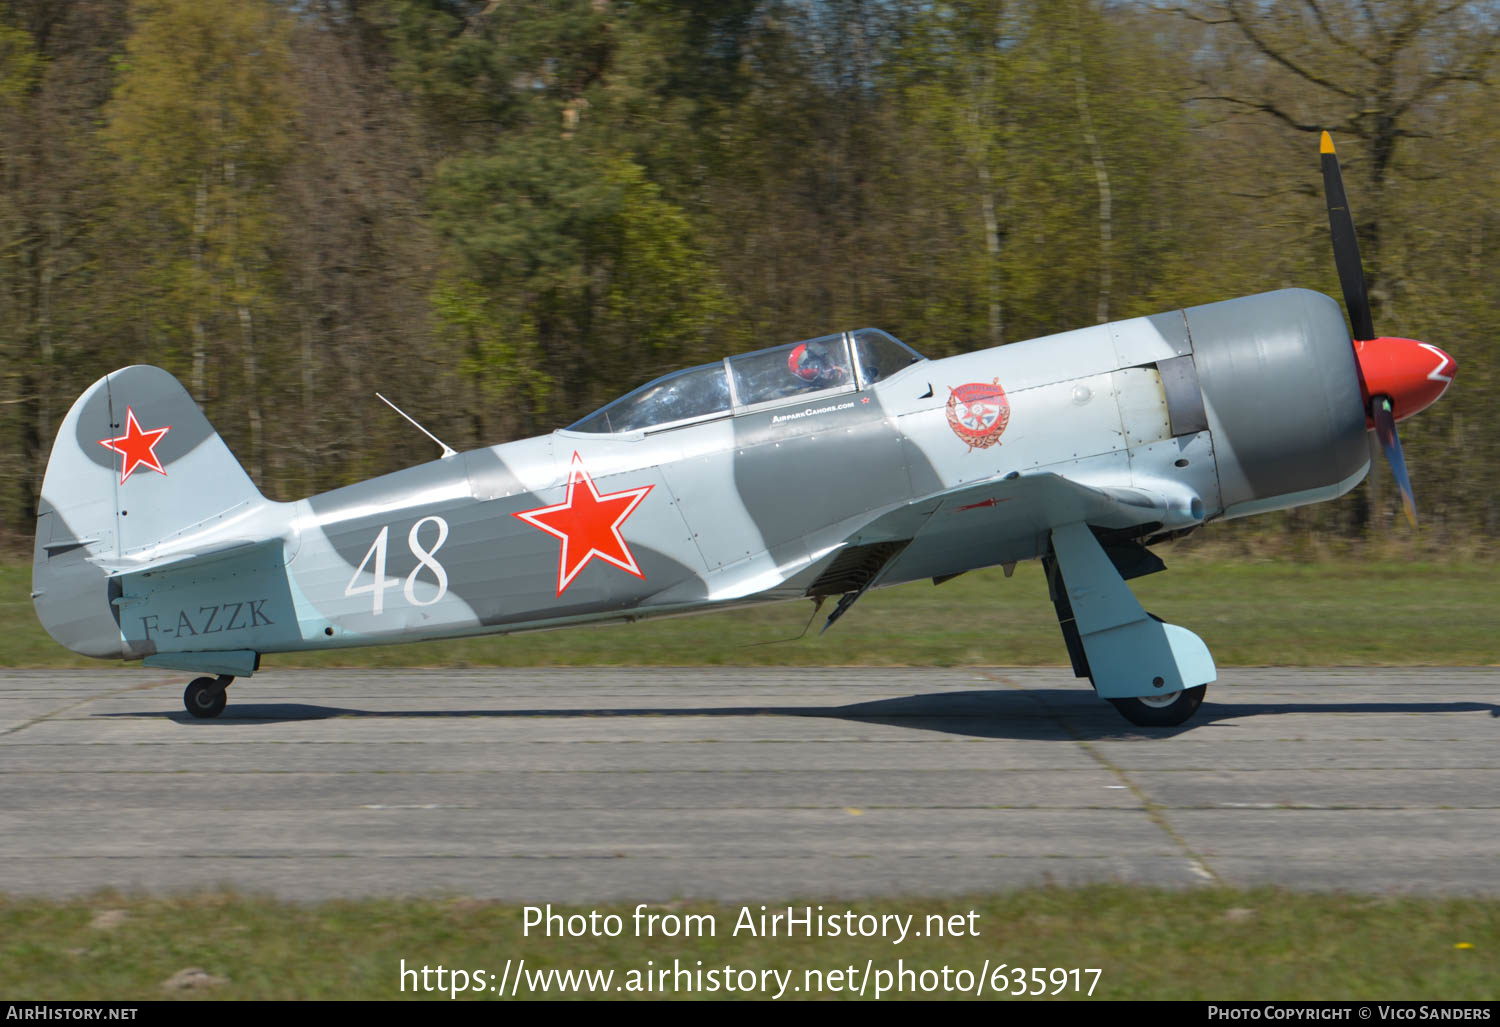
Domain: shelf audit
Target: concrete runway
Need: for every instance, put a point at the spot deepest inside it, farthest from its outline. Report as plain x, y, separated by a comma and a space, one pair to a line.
575, 786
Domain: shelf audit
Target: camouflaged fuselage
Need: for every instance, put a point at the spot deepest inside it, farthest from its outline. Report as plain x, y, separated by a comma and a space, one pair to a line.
1137, 427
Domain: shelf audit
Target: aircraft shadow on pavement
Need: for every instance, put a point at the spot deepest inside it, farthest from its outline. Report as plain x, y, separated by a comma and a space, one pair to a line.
1062, 714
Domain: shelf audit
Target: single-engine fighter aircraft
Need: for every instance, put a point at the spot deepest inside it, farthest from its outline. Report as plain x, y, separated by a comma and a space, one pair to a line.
810, 470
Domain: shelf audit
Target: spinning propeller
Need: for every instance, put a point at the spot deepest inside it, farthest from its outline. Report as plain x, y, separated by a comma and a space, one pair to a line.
1397, 377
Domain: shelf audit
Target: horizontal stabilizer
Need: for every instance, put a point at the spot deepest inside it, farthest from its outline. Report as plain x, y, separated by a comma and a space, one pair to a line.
197, 556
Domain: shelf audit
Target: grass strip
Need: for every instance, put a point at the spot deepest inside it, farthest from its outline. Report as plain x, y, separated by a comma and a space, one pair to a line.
1149, 944
1276, 612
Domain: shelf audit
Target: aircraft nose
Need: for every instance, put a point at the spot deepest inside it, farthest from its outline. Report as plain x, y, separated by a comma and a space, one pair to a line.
1413, 374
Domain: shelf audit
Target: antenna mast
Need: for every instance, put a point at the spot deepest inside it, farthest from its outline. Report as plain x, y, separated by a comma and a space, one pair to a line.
447, 449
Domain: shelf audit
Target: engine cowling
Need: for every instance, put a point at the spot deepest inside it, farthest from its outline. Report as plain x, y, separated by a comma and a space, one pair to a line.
1281, 390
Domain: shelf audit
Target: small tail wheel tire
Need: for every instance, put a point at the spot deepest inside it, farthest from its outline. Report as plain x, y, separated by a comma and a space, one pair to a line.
205, 698
1168, 710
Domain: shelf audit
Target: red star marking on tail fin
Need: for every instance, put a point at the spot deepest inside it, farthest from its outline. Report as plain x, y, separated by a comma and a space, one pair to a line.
136, 446
588, 524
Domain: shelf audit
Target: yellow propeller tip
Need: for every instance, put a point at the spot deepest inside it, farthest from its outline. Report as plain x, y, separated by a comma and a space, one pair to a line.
1326, 144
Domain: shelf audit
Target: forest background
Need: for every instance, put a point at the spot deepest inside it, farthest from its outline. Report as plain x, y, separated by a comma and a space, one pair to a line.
503, 213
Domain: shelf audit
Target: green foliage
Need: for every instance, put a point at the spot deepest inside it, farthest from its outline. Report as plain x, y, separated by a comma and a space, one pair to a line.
1003, 88
661, 298
20, 64
584, 260
199, 127
499, 347
20, 67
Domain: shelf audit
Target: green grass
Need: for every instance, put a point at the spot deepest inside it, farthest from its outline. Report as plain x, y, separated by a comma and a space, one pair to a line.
1282, 611
1262, 944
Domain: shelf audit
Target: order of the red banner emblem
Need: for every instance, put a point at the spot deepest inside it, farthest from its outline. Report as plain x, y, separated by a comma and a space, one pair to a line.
978, 413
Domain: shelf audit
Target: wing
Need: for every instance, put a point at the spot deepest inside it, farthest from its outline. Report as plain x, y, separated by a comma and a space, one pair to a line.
987, 523
1037, 502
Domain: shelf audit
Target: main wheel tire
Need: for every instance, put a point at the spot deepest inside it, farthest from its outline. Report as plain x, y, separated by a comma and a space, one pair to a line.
1162, 710
205, 698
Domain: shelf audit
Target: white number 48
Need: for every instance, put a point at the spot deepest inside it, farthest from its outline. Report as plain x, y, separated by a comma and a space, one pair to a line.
425, 558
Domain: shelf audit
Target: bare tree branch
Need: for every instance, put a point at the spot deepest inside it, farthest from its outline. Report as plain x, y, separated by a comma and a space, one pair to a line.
1339, 40
1434, 82
1349, 124
1280, 58
1373, 22
1190, 16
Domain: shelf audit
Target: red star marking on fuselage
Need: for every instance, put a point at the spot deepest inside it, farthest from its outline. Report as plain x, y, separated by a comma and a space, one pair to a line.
137, 447
588, 525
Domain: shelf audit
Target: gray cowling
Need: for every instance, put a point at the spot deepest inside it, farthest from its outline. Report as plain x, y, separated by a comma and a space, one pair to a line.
1281, 390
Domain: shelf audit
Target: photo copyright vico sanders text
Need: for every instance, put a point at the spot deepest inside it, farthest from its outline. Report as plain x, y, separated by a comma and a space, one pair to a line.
1359, 1011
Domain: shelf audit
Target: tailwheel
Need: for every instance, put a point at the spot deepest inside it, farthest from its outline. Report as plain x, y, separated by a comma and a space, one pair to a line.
205, 697
1161, 710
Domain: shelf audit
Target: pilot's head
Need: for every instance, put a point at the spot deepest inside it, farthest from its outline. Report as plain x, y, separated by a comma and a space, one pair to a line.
813, 366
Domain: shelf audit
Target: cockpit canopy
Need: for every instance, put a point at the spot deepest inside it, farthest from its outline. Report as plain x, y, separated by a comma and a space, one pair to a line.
828, 364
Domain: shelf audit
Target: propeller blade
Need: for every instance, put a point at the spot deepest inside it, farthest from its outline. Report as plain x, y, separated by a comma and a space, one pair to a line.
1385, 431
1345, 245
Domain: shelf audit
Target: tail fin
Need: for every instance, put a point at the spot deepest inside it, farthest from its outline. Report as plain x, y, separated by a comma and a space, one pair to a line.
135, 464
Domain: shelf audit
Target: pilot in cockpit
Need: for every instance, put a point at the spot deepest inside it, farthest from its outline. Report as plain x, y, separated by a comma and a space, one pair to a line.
817, 364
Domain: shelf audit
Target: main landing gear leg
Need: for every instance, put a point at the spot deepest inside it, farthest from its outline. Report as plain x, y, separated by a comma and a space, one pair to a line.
1153, 672
205, 697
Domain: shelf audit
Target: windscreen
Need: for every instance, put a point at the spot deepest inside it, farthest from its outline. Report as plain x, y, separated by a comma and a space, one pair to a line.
683, 395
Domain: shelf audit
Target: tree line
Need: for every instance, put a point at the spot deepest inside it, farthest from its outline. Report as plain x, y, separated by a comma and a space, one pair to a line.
503, 214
